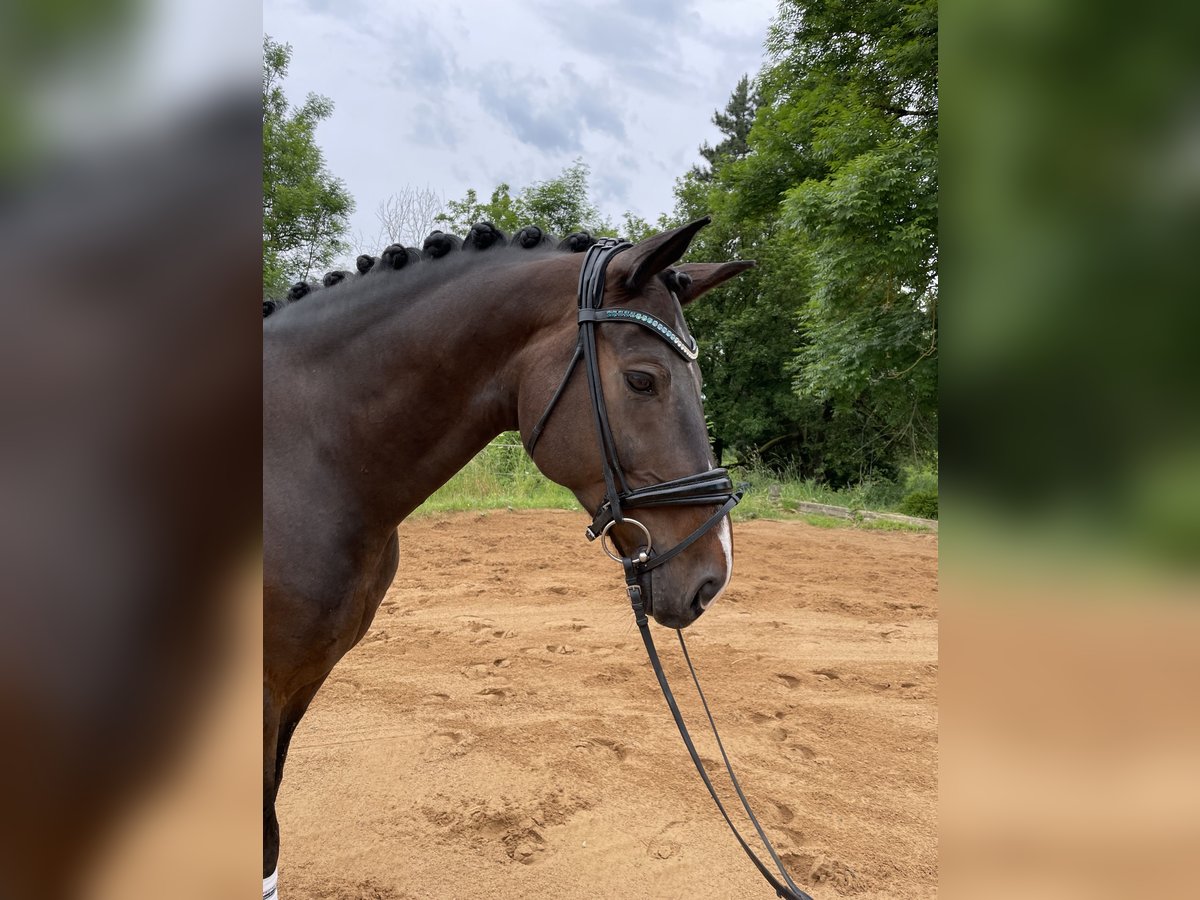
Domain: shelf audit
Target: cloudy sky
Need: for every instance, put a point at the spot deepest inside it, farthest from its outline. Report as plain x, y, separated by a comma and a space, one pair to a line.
456, 95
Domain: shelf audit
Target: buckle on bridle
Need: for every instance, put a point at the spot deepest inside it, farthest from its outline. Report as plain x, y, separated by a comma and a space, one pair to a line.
636, 600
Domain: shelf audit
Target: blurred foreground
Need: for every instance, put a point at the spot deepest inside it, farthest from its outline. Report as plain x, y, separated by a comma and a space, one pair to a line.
1071, 451
129, 461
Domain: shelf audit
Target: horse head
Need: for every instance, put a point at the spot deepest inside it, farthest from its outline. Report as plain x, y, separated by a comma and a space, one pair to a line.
652, 407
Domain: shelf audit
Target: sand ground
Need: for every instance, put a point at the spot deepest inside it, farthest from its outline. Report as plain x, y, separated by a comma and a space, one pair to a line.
499, 732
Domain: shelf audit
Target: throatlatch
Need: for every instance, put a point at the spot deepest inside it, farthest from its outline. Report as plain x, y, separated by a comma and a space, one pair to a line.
711, 488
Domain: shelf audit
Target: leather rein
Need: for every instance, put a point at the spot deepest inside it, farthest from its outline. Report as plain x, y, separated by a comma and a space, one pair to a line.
711, 488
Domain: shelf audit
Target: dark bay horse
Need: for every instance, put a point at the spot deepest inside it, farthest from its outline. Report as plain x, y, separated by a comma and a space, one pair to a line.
378, 389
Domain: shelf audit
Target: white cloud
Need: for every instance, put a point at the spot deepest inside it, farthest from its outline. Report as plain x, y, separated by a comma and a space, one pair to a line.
457, 96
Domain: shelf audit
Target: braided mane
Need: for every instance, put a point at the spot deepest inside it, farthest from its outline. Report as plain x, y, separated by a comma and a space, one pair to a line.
482, 237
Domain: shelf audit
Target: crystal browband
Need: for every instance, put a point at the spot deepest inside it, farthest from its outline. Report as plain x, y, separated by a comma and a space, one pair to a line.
658, 326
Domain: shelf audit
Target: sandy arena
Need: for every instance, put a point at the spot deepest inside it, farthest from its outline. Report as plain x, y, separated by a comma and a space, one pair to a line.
499, 733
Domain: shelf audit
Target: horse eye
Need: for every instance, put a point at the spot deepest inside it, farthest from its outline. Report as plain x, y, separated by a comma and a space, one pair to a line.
640, 382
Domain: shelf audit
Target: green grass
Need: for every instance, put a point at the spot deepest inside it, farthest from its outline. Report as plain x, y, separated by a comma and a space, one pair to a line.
500, 477
884, 525
503, 477
776, 495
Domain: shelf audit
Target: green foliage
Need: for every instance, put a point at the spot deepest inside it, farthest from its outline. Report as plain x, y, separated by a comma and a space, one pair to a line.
824, 358
460, 215
920, 478
735, 122
859, 81
747, 335
305, 209
888, 525
502, 476
559, 205
922, 503
920, 492
781, 490
635, 228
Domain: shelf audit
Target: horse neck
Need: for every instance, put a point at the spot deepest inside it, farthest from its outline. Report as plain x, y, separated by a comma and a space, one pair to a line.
435, 376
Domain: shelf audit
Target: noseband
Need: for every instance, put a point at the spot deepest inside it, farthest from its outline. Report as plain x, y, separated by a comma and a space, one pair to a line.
711, 488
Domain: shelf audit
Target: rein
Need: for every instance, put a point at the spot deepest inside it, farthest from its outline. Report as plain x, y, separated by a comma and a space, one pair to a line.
710, 488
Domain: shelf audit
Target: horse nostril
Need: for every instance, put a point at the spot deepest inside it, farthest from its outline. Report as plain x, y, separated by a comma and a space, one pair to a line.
707, 593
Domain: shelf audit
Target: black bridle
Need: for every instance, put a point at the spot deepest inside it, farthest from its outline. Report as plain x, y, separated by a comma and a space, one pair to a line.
711, 488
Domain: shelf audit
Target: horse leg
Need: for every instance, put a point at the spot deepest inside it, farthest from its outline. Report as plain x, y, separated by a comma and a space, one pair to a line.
271, 716
282, 715
277, 735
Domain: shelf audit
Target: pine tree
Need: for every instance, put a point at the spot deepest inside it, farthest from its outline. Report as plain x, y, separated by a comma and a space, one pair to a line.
735, 123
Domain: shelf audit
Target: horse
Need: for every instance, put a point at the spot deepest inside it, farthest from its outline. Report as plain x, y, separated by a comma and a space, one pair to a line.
377, 389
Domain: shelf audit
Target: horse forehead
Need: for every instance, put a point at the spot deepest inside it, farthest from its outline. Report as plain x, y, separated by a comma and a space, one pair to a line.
661, 303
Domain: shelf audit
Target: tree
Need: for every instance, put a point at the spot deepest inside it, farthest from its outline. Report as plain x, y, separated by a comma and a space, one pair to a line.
860, 81
561, 205
501, 210
406, 217
634, 228
735, 123
558, 205
305, 209
747, 330
825, 357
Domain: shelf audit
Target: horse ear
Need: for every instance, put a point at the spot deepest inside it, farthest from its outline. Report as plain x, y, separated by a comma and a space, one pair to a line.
647, 258
694, 279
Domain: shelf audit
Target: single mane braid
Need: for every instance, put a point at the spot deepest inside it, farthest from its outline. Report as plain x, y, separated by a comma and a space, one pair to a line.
438, 244
298, 290
530, 237
397, 257
576, 242
484, 236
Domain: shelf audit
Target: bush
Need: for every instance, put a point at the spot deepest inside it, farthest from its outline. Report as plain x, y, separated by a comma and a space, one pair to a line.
875, 493
921, 503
